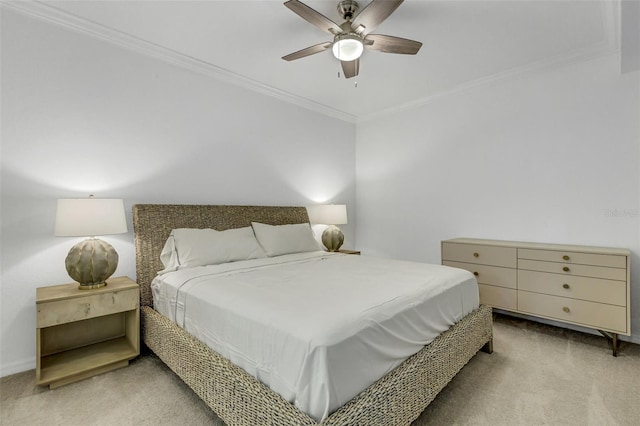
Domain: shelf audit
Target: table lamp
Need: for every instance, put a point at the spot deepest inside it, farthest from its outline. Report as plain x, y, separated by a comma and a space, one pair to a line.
92, 261
332, 215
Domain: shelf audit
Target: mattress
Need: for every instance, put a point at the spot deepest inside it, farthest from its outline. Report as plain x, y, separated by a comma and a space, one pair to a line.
317, 328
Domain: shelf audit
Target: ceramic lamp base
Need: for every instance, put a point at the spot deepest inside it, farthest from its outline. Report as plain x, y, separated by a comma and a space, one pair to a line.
91, 262
332, 238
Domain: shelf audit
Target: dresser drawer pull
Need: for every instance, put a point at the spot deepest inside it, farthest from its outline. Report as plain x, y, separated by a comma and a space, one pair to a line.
476, 254
565, 285
566, 309
476, 274
565, 257
566, 269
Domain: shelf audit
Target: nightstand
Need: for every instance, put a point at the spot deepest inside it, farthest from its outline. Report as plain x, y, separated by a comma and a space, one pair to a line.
81, 333
349, 251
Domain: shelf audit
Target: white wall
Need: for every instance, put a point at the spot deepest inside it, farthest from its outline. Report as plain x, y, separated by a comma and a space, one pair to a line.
548, 157
82, 116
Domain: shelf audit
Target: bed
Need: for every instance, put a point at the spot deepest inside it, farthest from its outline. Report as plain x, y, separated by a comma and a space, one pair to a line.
237, 397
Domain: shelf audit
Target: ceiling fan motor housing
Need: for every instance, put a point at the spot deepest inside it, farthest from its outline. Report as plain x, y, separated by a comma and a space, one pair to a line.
348, 9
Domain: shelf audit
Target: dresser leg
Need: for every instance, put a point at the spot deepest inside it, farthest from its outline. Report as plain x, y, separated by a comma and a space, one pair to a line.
613, 340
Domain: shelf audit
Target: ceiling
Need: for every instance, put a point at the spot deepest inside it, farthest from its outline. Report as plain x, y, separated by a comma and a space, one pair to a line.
465, 43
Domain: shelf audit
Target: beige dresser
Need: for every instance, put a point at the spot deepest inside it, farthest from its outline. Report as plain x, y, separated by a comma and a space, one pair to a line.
581, 285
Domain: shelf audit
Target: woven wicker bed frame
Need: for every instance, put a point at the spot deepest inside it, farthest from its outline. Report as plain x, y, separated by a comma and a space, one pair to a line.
239, 399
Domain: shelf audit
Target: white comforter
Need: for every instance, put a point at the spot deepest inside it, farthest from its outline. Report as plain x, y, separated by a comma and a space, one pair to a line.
317, 328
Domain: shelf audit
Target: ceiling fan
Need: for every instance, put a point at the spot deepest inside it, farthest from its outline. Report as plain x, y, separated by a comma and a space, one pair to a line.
352, 36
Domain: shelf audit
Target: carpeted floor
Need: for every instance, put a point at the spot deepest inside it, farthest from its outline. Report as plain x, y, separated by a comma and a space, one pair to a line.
537, 375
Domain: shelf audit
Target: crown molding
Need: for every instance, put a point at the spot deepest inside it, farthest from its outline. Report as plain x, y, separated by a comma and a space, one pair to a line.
51, 14
610, 44
583, 55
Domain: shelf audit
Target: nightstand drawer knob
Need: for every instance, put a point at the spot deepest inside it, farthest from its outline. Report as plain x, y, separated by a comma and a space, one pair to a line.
566, 269
566, 309
565, 285
476, 274
565, 257
476, 254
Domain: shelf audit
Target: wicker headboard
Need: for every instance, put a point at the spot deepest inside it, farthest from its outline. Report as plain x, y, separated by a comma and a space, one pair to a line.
152, 224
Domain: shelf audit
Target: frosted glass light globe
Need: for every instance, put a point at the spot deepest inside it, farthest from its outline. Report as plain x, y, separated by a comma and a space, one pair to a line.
347, 48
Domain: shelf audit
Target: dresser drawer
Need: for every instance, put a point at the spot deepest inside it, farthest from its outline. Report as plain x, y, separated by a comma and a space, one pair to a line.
494, 275
591, 314
573, 269
85, 307
609, 260
498, 297
485, 255
592, 289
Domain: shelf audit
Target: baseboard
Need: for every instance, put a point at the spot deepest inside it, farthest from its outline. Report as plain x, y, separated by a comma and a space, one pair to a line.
17, 367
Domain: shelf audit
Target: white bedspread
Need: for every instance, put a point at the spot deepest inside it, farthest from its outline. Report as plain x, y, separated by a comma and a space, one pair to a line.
317, 328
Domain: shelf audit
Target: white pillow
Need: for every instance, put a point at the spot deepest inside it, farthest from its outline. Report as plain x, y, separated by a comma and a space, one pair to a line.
285, 239
168, 256
186, 248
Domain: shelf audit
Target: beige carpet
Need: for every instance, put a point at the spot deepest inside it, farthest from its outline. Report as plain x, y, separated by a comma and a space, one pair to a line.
537, 375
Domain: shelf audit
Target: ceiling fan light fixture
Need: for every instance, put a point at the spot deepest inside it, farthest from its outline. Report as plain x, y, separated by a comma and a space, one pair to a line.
347, 47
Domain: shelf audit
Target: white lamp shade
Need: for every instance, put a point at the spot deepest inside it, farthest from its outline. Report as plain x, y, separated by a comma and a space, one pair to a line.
89, 217
328, 214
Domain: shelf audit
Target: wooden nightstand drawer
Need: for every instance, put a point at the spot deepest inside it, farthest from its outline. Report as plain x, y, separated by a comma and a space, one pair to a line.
573, 269
599, 315
485, 255
593, 259
86, 307
592, 289
493, 275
